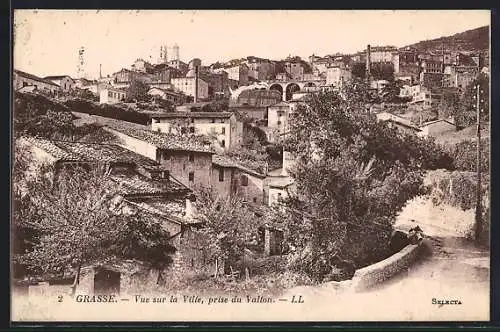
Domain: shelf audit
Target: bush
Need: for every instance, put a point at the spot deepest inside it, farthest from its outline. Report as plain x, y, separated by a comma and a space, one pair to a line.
465, 155
458, 189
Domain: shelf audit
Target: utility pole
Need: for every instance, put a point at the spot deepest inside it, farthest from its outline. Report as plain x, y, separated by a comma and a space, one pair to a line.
479, 214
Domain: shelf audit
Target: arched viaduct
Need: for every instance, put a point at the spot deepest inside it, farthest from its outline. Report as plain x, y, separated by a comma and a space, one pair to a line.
288, 88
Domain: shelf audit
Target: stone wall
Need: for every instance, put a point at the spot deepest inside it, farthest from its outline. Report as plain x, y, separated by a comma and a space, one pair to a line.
373, 274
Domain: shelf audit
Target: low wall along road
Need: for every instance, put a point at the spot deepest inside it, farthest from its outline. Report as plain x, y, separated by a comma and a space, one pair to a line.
373, 274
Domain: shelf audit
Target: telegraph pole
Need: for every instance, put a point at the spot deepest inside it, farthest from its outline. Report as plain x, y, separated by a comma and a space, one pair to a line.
479, 215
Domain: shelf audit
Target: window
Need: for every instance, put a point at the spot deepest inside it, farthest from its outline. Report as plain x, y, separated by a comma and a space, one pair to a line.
221, 175
110, 94
191, 176
192, 120
223, 130
165, 174
279, 122
213, 120
221, 120
244, 180
165, 155
223, 143
191, 130
191, 157
255, 199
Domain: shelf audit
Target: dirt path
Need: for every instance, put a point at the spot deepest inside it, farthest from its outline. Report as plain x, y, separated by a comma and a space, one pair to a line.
450, 268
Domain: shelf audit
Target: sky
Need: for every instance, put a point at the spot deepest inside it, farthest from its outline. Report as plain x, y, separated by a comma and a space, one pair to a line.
46, 42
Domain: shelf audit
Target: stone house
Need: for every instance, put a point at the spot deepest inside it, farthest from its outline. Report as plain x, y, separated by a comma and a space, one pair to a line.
21, 79
231, 177
65, 82
109, 95
143, 186
174, 97
277, 120
222, 127
436, 127
188, 159
249, 111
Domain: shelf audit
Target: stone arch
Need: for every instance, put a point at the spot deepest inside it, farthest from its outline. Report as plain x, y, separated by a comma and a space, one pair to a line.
277, 87
290, 89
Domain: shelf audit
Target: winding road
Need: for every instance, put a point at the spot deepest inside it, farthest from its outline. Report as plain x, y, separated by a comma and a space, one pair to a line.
449, 268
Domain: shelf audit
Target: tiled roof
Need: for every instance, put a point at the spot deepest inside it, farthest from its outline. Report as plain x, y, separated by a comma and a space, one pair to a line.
280, 181
134, 184
90, 152
436, 121
33, 77
56, 77
198, 115
226, 161
166, 141
171, 211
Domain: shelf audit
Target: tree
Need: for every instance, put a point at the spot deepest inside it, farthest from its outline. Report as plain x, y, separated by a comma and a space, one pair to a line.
144, 239
466, 111
76, 225
137, 91
352, 175
71, 220
229, 226
216, 106
448, 104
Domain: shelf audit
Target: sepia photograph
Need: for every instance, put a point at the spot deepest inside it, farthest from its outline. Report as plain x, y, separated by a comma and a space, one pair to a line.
250, 165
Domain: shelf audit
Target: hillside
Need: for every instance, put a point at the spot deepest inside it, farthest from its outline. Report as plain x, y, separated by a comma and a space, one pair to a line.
470, 40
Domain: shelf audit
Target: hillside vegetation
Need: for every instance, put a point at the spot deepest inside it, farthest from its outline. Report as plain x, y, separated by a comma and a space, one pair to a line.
470, 40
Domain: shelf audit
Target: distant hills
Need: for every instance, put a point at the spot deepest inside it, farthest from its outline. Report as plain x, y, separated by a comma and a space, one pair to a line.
470, 40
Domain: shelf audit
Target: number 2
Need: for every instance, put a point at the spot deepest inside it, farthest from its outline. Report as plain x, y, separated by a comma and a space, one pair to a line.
60, 298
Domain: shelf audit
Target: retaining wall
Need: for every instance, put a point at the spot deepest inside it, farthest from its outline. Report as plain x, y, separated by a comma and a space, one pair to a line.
373, 274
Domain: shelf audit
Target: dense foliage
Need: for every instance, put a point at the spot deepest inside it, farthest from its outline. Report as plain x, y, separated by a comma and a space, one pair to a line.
466, 112
137, 91
36, 115
228, 227
465, 155
67, 219
352, 176
378, 71
110, 111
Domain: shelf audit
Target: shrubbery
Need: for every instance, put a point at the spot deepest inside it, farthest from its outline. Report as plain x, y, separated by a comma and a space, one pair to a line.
352, 176
465, 155
459, 189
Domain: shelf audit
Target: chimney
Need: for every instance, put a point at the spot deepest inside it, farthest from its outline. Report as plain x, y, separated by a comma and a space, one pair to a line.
368, 62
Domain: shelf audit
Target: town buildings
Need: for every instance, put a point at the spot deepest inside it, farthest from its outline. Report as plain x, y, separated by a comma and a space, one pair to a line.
110, 95
189, 86
21, 79
436, 127
337, 76
222, 128
172, 96
65, 82
186, 158
231, 177
277, 120
260, 69
140, 185
238, 73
